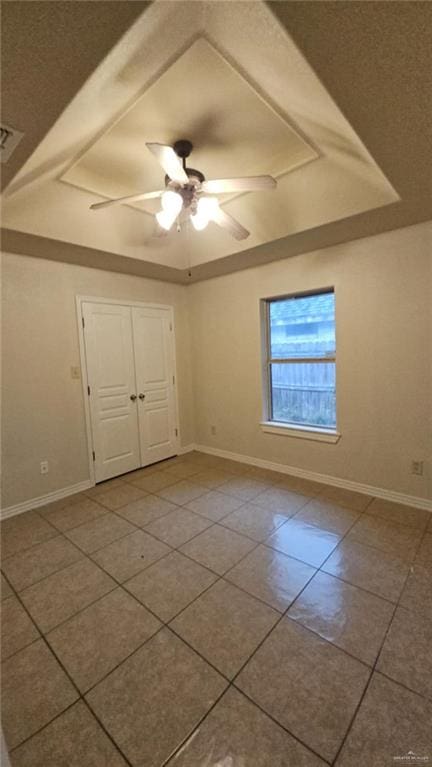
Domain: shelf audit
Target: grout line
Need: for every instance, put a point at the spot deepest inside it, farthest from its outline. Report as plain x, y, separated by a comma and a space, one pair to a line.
373, 671
218, 578
64, 669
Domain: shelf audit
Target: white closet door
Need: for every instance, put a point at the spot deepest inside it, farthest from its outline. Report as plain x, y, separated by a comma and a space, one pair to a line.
111, 377
154, 364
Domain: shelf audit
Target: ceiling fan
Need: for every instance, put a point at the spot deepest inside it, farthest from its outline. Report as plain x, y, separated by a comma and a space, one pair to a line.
187, 189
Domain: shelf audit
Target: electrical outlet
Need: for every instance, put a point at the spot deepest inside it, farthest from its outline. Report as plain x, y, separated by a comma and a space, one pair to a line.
213, 430
44, 467
417, 468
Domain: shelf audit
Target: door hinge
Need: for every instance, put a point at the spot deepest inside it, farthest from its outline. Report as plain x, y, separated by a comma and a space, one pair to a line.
94, 455
83, 322
88, 390
170, 325
176, 432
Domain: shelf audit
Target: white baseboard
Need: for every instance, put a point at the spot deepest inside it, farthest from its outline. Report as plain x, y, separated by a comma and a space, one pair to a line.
186, 449
34, 503
326, 479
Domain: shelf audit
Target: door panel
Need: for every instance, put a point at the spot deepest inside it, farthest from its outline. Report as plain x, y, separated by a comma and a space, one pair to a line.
111, 376
154, 364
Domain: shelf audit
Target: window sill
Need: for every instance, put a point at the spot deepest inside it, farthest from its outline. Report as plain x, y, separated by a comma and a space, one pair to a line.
301, 432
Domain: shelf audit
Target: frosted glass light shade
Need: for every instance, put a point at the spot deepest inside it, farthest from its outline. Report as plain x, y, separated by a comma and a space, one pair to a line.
172, 202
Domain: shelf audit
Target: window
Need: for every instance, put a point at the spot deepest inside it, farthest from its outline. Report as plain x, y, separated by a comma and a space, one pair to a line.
301, 360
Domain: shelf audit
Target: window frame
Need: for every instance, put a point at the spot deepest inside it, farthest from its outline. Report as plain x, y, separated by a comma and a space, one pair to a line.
269, 424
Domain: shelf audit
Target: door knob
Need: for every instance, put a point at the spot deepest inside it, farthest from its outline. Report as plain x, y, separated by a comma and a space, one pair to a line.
133, 397
141, 396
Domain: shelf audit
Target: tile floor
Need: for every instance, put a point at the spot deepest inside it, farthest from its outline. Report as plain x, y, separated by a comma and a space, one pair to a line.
205, 613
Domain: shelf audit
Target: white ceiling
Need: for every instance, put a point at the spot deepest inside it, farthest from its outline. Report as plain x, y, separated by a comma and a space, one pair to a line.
228, 77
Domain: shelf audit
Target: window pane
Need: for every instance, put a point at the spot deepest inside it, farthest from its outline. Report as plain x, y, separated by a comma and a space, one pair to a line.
302, 327
304, 393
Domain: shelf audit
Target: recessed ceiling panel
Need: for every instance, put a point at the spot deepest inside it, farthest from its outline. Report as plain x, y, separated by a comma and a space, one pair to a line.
203, 98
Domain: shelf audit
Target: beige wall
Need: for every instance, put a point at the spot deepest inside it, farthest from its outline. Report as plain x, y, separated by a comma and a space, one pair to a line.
42, 406
384, 382
383, 290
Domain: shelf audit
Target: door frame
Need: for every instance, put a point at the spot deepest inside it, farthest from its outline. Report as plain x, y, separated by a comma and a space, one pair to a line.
79, 301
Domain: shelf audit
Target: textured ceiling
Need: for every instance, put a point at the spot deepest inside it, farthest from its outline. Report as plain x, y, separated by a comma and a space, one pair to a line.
229, 123
373, 59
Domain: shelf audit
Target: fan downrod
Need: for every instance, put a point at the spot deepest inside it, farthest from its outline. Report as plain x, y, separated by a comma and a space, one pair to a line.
183, 148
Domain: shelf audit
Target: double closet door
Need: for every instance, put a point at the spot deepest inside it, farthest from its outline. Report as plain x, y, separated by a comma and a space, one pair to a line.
130, 371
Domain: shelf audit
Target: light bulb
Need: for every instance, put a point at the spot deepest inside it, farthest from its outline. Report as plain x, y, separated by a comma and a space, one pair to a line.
199, 222
166, 219
172, 202
207, 207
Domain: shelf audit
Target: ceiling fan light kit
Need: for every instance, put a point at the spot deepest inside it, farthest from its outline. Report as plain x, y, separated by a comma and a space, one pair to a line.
185, 190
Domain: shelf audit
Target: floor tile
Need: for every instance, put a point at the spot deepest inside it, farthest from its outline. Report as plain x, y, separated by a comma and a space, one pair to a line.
232, 467
170, 585
307, 684
351, 618
74, 739
308, 543
178, 526
243, 487
62, 594
22, 531
103, 487
271, 576
72, 515
417, 594
93, 642
254, 521
17, 629
399, 540
178, 688
36, 563
326, 515
119, 496
225, 625
407, 652
424, 553
212, 478
264, 475
182, 492
35, 689
237, 734
60, 503
391, 724
6, 590
98, 533
348, 498
214, 505
144, 472
156, 481
128, 556
281, 501
183, 470
300, 485
399, 513
375, 571
218, 548
145, 510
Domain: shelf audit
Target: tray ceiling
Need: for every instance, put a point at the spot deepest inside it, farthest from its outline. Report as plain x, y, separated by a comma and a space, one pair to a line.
230, 78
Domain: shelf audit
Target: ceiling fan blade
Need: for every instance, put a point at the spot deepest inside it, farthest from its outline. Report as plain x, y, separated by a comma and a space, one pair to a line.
170, 162
245, 184
230, 224
129, 198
